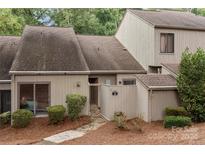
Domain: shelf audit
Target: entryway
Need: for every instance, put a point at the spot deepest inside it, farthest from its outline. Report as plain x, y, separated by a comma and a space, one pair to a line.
5, 101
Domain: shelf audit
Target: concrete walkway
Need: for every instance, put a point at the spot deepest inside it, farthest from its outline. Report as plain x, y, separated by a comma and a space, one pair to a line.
73, 134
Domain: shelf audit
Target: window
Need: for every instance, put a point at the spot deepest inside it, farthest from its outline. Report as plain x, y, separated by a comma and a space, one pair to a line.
129, 82
166, 43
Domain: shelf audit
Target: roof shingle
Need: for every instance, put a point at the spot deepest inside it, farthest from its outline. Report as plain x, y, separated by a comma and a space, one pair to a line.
172, 19
8, 49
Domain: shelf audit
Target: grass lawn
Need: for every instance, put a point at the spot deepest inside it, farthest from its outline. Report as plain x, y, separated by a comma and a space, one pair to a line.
37, 130
153, 133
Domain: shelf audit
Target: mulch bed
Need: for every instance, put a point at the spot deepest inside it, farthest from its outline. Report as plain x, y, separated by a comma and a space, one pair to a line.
152, 133
38, 129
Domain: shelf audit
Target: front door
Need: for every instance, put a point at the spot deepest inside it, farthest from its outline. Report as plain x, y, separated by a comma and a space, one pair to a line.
93, 91
5, 96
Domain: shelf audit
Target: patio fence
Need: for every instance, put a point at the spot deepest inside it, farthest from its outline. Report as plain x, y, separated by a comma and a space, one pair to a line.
116, 98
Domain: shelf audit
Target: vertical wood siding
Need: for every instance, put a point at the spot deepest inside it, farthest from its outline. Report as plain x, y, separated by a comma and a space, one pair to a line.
160, 100
125, 101
138, 37
182, 40
60, 86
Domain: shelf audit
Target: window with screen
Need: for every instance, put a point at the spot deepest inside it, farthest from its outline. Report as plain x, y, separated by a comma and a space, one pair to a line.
166, 43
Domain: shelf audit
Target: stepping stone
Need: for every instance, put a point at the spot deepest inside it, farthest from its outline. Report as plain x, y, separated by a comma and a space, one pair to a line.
65, 136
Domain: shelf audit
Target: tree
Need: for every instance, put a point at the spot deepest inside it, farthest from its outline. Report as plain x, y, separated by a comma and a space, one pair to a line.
89, 21
191, 83
12, 21
9, 23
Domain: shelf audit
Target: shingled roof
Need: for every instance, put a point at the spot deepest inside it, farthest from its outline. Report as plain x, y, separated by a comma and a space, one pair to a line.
171, 19
174, 68
8, 49
156, 81
105, 53
49, 49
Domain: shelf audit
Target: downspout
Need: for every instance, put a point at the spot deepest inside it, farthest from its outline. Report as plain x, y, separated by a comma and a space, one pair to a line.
12, 95
150, 106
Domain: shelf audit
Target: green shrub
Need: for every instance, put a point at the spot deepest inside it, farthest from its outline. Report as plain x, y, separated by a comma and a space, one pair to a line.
120, 120
177, 121
56, 113
5, 118
21, 118
178, 111
190, 83
75, 104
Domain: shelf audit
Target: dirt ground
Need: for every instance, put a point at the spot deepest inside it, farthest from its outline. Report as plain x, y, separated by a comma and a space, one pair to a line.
152, 133
37, 130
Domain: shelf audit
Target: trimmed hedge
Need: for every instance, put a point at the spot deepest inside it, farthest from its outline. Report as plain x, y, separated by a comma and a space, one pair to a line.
21, 118
75, 104
178, 111
56, 113
177, 121
5, 118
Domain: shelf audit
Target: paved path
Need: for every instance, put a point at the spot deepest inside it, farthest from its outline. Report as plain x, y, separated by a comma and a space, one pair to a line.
72, 134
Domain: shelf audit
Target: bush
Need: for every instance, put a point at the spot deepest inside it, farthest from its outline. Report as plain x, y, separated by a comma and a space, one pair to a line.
56, 113
178, 111
5, 118
177, 121
21, 118
190, 83
120, 120
75, 104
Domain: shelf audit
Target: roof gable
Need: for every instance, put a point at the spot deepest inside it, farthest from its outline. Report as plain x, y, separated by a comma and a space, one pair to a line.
49, 49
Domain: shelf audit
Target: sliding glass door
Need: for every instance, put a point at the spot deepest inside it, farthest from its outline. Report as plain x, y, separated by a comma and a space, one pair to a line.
34, 97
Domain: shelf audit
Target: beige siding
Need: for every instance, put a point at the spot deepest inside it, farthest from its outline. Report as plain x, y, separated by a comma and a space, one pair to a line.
182, 40
60, 86
5, 86
138, 37
124, 101
160, 100
142, 106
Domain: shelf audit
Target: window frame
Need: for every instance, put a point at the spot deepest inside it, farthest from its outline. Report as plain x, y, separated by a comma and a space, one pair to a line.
166, 35
129, 80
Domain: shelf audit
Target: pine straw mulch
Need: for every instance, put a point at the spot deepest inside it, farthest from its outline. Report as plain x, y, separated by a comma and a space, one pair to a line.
38, 129
152, 133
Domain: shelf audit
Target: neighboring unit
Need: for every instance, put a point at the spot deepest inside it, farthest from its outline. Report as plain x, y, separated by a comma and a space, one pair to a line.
155, 37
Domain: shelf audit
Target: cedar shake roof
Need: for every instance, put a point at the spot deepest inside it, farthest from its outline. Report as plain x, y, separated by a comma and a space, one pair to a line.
174, 68
172, 19
156, 80
49, 49
106, 53
8, 49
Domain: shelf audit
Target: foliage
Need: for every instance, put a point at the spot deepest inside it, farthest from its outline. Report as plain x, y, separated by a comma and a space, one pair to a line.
178, 111
12, 21
191, 83
89, 21
75, 104
5, 118
120, 120
56, 113
177, 121
21, 118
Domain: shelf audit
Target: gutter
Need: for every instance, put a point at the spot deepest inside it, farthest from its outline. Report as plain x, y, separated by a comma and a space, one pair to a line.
5, 81
77, 72
162, 87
